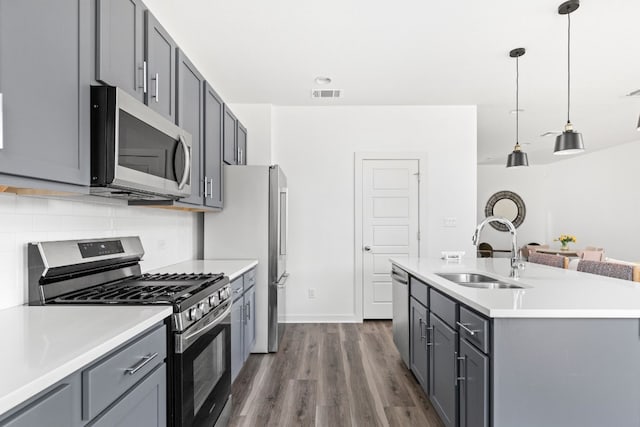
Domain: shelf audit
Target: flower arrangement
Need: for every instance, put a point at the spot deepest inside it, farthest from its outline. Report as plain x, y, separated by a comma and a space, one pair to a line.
565, 239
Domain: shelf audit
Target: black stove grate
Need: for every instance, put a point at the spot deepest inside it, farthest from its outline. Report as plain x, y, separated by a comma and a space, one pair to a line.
168, 288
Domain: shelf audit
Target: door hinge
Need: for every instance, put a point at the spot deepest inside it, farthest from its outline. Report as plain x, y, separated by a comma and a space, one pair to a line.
417, 174
418, 234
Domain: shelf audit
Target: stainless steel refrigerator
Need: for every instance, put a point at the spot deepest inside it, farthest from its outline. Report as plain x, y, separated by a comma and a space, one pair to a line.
253, 225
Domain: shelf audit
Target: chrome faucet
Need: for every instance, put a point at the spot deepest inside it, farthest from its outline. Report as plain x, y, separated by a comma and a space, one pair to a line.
516, 262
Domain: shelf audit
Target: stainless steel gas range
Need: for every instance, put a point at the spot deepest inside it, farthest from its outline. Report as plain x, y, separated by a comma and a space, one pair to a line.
107, 271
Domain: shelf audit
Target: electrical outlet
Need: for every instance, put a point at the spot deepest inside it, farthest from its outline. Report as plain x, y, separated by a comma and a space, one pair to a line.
312, 293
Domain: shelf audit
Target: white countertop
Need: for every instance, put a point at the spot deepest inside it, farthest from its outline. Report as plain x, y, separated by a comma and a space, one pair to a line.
233, 268
42, 345
549, 292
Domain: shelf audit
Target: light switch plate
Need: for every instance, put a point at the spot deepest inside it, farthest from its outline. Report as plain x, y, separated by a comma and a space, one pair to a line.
450, 222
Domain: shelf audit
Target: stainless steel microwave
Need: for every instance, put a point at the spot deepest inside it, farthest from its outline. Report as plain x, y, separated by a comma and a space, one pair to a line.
136, 154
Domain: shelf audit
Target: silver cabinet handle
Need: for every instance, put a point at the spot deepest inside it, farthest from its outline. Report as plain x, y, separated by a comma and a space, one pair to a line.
206, 187
144, 77
211, 183
428, 336
464, 326
237, 291
241, 156
249, 310
141, 364
157, 79
457, 359
1, 129
187, 164
238, 155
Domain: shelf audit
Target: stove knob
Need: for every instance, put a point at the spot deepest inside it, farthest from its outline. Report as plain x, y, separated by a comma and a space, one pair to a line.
195, 313
214, 301
201, 307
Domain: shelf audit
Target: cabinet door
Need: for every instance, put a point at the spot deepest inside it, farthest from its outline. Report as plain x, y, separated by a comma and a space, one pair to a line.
54, 409
160, 52
213, 119
474, 387
45, 87
419, 336
230, 140
120, 45
237, 337
145, 405
242, 144
443, 378
250, 321
190, 118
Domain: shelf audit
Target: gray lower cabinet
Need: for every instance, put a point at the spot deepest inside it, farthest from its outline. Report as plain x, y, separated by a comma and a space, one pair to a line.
160, 52
443, 372
126, 387
190, 112
243, 320
212, 147
230, 137
474, 386
45, 85
120, 57
418, 344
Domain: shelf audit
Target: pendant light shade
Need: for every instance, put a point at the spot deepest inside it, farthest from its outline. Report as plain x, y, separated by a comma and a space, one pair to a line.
569, 142
517, 157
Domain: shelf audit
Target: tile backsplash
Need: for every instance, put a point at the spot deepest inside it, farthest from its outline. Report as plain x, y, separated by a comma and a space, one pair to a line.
167, 236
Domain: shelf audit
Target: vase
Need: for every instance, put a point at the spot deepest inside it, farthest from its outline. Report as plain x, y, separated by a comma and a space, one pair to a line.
564, 246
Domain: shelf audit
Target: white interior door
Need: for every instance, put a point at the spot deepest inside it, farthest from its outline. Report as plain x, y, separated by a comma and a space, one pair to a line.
390, 227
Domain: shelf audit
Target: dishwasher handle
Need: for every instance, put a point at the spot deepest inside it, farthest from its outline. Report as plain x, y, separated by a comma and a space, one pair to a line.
398, 278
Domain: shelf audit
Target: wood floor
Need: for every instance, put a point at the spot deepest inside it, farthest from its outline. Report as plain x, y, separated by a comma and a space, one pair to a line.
331, 375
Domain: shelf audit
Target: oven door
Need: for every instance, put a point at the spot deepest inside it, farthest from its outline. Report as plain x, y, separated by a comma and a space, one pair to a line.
202, 358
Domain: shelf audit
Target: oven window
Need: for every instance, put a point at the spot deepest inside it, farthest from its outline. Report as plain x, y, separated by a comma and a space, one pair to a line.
208, 368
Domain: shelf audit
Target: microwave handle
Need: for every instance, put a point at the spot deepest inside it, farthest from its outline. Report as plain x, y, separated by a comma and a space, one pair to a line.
187, 164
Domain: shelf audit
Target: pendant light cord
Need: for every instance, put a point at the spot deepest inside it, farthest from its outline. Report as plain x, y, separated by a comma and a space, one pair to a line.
568, 66
517, 101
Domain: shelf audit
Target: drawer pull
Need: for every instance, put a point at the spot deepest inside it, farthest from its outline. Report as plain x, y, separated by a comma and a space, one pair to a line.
145, 360
464, 326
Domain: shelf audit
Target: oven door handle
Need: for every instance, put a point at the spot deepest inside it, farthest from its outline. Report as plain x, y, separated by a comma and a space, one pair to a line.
184, 342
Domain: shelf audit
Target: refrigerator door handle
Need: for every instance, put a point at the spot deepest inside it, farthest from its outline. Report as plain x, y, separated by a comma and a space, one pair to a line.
284, 208
281, 283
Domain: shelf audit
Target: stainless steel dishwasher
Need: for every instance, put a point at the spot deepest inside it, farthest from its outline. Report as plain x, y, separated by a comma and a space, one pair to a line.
400, 325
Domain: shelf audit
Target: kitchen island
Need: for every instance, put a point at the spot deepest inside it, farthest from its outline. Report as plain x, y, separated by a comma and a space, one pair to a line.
562, 349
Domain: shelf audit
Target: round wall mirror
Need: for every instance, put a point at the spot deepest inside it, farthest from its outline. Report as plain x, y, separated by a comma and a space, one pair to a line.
506, 204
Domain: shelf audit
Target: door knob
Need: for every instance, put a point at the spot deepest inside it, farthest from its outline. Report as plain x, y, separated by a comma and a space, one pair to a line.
367, 248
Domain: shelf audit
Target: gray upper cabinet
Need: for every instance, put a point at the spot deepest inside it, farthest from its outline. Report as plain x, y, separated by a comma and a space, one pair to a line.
242, 144
160, 52
120, 45
443, 379
213, 124
230, 139
44, 81
190, 111
474, 387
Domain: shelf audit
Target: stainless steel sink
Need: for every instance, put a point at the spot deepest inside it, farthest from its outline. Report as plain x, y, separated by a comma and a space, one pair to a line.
475, 280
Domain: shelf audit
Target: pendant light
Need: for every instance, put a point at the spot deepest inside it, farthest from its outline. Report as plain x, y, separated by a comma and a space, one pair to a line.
517, 157
569, 142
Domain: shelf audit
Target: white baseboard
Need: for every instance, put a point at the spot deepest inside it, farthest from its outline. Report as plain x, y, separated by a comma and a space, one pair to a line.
321, 318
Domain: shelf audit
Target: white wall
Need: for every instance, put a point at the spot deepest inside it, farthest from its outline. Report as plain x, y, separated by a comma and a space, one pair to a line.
167, 236
593, 196
315, 147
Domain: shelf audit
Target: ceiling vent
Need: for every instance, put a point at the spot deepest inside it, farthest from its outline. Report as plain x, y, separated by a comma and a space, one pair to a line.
326, 93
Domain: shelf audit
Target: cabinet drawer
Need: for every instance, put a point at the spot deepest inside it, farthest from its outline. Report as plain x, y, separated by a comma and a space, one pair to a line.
474, 328
419, 290
442, 307
237, 288
250, 278
111, 377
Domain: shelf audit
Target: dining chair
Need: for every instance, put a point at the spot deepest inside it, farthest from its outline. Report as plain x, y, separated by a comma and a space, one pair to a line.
530, 248
550, 260
608, 269
592, 255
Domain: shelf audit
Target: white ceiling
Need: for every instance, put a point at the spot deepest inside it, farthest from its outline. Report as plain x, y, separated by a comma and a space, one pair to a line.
427, 52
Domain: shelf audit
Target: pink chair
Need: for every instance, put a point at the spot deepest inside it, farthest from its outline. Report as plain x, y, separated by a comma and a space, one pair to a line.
609, 269
592, 255
550, 260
